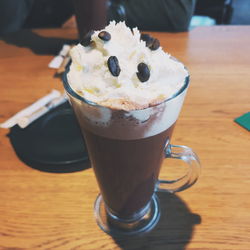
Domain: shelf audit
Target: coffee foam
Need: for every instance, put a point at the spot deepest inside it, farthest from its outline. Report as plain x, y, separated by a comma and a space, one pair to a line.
128, 125
90, 77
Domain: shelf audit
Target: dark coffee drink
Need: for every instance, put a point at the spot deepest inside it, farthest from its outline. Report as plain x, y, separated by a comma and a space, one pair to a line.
126, 170
126, 150
127, 94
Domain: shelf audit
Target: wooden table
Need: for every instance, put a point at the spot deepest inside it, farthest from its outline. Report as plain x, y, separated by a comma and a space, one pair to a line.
40, 210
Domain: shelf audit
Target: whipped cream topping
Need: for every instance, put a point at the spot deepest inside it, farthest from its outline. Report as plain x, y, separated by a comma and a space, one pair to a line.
90, 77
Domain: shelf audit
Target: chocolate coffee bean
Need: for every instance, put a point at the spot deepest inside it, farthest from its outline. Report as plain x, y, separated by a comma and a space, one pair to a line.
104, 35
113, 65
148, 39
151, 43
155, 45
86, 41
143, 73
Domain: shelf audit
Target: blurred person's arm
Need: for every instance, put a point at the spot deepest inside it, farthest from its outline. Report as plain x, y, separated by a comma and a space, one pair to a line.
161, 15
13, 14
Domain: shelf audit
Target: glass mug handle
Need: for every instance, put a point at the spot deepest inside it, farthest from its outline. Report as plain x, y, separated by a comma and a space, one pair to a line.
187, 155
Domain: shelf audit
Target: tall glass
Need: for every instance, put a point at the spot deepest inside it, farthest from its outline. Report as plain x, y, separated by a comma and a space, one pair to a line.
126, 149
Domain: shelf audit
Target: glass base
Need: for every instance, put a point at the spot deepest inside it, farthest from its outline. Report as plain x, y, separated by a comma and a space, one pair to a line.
112, 225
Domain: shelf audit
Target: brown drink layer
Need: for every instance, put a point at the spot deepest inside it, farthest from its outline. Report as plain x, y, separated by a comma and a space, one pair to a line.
125, 159
126, 170
126, 114
126, 149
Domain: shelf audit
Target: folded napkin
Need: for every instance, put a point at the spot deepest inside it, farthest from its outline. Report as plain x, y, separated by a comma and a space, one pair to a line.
26, 116
58, 60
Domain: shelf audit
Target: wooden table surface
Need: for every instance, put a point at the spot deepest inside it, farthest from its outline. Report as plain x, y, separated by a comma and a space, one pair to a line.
40, 210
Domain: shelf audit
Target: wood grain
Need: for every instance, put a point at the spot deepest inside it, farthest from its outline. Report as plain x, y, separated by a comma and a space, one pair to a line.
41, 210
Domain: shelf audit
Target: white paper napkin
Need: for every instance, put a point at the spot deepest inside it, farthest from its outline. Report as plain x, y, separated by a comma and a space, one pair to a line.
24, 117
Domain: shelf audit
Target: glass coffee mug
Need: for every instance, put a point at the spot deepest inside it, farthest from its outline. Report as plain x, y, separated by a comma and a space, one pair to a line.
126, 150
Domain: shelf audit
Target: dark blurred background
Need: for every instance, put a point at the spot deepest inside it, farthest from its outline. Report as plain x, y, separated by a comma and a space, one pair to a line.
168, 15
241, 13
235, 12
